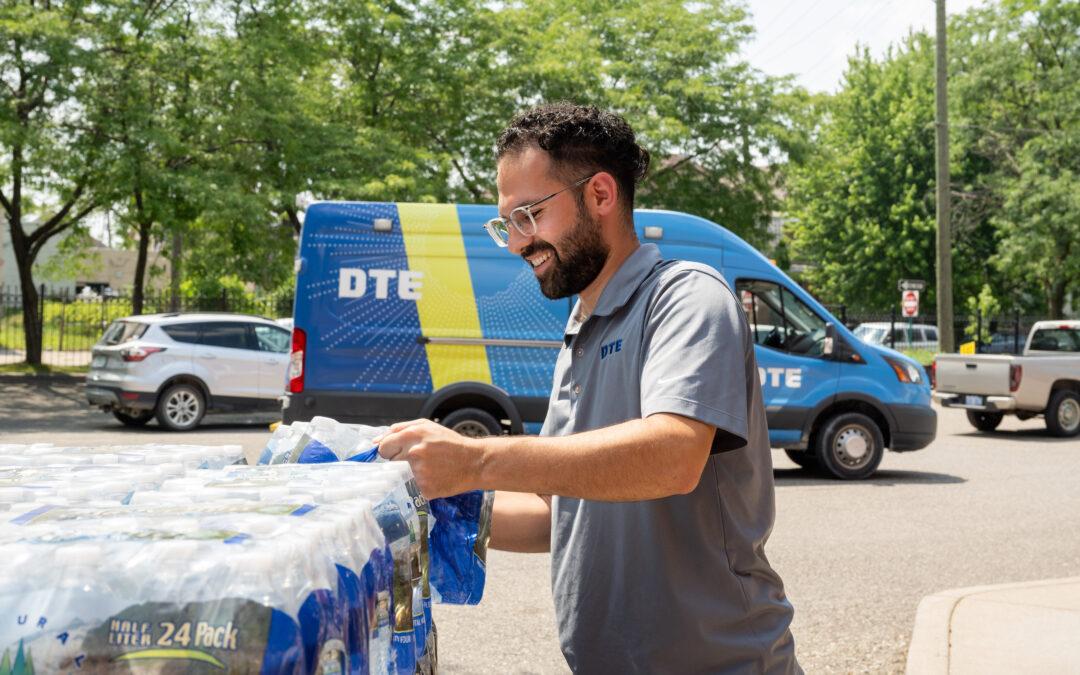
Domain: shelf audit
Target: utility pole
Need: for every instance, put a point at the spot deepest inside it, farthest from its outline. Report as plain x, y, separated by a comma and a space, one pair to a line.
946, 338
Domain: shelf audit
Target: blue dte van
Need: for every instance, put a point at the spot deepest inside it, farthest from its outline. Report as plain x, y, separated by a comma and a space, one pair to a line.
410, 310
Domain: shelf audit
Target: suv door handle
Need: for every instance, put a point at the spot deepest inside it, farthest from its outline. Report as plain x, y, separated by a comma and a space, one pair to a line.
270, 361
208, 356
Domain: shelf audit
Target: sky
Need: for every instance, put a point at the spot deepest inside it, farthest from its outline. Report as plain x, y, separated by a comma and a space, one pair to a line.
811, 39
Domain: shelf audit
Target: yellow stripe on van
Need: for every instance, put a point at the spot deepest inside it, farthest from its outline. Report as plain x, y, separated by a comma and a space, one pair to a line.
447, 304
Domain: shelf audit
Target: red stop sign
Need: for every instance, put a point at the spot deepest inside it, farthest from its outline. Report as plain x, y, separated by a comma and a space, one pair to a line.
909, 303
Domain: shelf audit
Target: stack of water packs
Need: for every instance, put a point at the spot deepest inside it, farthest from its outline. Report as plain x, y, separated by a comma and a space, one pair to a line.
177, 558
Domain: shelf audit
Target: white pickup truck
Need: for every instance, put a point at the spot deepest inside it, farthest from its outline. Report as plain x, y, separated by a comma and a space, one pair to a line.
1044, 381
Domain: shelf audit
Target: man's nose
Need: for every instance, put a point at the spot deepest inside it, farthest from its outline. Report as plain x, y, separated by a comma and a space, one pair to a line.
516, 241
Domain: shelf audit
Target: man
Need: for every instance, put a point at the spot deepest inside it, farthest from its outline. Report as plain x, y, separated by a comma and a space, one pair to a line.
655, 445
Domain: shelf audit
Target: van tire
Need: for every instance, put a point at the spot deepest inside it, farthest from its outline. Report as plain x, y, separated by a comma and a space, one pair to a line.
139, 419
472, 422
804, 458
984, 421
181, 407
845, 434
1063, 413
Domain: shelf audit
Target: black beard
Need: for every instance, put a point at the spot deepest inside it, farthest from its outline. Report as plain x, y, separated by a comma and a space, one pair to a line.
584, 255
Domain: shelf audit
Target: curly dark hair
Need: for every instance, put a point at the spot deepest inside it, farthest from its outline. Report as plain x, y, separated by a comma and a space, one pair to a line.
579, 139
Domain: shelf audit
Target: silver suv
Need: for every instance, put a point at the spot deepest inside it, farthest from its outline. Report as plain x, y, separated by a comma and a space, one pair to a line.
177, 366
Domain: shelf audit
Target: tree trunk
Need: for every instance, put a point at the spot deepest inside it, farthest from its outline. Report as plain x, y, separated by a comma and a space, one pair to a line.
1056, 298
294, 219
31, 315
24, 262
138, 291
174, 269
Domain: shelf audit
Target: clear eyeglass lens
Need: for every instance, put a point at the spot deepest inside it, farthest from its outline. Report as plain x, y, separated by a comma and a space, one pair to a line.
523, 221
499, 229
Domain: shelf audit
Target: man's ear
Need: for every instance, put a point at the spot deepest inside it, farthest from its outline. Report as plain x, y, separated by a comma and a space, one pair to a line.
602, 194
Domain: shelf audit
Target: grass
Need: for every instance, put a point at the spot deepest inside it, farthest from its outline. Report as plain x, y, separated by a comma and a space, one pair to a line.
27, 369
923, 356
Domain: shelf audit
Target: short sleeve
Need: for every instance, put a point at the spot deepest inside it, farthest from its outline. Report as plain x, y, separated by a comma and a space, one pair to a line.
695, 355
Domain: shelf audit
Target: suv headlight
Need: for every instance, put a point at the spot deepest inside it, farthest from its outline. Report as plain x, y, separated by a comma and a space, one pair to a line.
906, 372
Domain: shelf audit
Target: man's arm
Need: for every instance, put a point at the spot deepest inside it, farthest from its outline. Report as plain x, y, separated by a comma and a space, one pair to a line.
659, 456
521, 522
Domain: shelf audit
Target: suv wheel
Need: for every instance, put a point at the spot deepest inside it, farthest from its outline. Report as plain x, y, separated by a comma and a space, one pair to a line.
181, 407
139, 419
850, 446
984, 421
472, 422
1063, 413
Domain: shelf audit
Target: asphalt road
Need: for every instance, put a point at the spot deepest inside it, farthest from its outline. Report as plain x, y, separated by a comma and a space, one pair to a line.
856, 558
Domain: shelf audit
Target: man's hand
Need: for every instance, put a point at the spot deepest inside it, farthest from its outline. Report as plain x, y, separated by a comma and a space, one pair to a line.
444, 462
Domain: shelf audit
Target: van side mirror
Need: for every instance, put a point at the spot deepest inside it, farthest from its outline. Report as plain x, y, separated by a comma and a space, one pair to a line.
830, 339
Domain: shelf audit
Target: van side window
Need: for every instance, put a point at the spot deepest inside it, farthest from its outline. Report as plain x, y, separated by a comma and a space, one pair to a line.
780, 320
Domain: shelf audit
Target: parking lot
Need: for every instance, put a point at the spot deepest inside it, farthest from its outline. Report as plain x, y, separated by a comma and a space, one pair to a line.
856, 557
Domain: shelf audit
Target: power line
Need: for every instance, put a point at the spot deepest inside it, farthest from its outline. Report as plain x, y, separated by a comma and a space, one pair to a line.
760, 50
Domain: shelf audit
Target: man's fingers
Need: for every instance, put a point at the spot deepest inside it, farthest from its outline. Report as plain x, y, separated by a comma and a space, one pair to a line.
395, 428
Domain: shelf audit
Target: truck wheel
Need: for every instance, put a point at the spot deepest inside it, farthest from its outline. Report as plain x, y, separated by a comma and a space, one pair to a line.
1063, 413
181, 407
850, 446
804, 458
137, 420
984, 421
472, 422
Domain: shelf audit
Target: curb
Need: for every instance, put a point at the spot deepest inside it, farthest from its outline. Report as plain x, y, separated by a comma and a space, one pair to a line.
1008, 628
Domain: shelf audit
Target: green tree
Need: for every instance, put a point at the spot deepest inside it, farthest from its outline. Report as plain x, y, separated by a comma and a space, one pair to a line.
51, 136
863, 201
1017, 80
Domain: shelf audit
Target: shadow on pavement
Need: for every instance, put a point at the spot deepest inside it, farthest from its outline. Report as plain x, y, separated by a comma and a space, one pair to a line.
42, 405
1037, 434
882, 478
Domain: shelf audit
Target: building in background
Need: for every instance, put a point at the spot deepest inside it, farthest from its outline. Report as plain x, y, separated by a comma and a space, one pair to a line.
101, 269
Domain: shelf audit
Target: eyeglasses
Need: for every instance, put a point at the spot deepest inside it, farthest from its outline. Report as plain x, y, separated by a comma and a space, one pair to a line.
522, 218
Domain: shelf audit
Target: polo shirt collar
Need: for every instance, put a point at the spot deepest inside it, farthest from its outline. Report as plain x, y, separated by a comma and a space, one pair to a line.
621, 285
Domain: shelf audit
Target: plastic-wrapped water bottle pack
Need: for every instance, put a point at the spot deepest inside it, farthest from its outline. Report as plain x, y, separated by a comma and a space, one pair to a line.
168, 558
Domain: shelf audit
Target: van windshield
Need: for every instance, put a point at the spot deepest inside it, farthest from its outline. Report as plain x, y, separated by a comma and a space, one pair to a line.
120, 332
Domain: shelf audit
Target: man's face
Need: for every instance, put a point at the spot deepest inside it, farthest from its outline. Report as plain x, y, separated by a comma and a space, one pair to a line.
567, 252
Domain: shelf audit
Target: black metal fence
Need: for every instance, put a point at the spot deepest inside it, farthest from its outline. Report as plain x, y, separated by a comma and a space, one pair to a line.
71, 323
993, 334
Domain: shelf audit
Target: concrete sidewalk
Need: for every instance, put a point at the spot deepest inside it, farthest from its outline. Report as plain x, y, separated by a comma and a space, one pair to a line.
1030, 627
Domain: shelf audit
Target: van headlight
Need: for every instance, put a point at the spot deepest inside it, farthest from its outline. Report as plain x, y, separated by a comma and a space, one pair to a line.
908, 373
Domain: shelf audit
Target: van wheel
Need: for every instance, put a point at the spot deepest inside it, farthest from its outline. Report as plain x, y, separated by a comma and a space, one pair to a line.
137, 420
984, 421
181, 407
472, 422
804, 458
1063, 413
850, 446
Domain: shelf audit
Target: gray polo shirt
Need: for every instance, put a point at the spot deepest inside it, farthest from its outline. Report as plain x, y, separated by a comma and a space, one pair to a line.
681, 584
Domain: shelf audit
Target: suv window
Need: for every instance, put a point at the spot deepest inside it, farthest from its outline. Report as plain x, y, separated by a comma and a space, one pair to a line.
779, 319
273, 339
233, 335
1056, 340
119, 332
183, 332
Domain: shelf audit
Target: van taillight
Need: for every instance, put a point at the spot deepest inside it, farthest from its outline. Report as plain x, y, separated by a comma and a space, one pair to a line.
1015, 373
296, 361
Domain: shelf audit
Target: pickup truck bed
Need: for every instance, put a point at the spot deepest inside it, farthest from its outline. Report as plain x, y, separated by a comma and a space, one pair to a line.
1041, 382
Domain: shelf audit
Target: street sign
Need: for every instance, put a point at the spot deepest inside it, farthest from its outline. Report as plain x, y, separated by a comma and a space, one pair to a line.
909, 303
911, 285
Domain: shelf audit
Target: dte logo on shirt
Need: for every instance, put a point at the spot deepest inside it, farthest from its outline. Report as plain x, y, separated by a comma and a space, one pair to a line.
610, 348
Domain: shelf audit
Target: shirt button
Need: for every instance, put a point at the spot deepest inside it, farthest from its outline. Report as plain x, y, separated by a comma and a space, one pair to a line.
580, 351
577, 389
